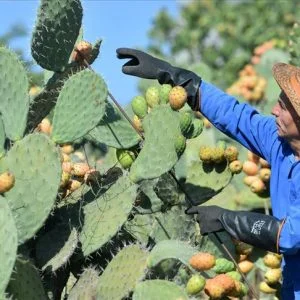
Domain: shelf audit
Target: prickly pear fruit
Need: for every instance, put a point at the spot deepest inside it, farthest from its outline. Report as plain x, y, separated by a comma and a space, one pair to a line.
177, 97
272, 261
234, 275
272, 276
65, 177
180, 143
264, 163
236, 167
223, 265
80, 168
265, 174
45, 126
185, 122
250, 168
231, 153
67, 149
196, 129
206, 123
202, 261
217, 154
74, 185
252, 157
152, 96
246, 266
82, 51
137, 123
213, 290
195, 284
249, 179
265, 288
125, 158
239, 290
225, 281
205, 154
164, 93
243, 248
67, 167
7, 181
139, 106
257, 186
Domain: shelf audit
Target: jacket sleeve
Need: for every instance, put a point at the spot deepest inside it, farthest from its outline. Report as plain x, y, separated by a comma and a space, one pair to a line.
240, 121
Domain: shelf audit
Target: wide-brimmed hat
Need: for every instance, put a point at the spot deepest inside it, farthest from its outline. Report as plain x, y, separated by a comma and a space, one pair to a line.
288, 78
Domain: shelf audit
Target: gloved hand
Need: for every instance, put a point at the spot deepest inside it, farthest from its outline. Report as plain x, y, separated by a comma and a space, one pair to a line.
144, 65
256, 229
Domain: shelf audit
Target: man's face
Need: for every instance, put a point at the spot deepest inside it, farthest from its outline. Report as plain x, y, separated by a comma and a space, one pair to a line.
287, 120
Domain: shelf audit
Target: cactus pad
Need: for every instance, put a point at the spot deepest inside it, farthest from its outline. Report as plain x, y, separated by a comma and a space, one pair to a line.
123, 273
104, 216
114, 130
159, 289
80, 106
14, 103
158, 154
35, 163
56, 31
9, 243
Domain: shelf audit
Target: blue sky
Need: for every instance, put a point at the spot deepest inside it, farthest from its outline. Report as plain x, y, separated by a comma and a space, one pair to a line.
122, 23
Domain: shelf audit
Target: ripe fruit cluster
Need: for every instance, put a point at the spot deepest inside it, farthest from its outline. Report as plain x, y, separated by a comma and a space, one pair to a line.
225, 283
260, 50
249, 85
257, 172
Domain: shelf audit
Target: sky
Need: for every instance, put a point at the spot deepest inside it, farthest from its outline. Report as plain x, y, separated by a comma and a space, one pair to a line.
119, 23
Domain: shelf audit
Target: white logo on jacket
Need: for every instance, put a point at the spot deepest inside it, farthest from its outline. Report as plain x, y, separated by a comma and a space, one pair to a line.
257, 226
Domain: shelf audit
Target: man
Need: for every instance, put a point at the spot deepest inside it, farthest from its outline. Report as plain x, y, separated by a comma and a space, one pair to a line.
275, 138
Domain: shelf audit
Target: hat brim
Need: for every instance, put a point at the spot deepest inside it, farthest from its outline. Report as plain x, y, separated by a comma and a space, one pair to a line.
288, 79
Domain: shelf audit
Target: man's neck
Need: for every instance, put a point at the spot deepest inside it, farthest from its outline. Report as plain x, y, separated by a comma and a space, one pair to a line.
295, 145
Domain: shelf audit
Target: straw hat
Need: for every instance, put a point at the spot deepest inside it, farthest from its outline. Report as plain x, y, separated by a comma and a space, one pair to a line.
288, 78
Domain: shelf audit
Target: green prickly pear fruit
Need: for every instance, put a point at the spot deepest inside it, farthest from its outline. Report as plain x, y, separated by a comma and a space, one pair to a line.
196, 129
7, 181
177, 97
183, 274
152, 96
205, 154
239, 290
231, 153
222, 145
234, 275
139, 106
164, 93
273, 276
236, 167
125, 158
195, 284
223, 265
180, 143
217, 155
185, 121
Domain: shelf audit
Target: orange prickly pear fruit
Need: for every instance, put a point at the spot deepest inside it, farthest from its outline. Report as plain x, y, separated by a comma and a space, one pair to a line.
250, 168
257, 186
264, 163
252, 157
82, 51
67, 167
236, 167
249, 179
202, 261
67, 149
79, 169
45, 126
177, 97
239, 290
7, 181
224, 281
213, 290
231, 153
246, 266
265, 174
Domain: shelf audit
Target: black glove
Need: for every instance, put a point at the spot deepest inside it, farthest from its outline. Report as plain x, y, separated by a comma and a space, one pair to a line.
144, 65
256, 229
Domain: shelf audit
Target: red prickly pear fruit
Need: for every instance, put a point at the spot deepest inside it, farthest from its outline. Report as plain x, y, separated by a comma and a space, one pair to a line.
7, 181
231, 153
164, 93
265, 174
250, 168
177, 97
236, 167
202, 261
195, 284
125, 158
139, 106
82, 51
152, 96
257, 186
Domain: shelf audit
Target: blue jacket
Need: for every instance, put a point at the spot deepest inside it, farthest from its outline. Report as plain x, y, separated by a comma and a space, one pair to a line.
258, 133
